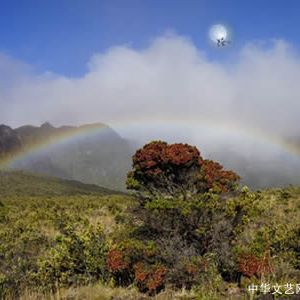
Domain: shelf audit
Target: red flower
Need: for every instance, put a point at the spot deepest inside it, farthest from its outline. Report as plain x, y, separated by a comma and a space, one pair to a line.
250, 265
115, 261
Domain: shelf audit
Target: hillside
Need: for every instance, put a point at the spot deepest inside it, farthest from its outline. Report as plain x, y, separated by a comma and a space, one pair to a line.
92, 153
53, 229
20, 183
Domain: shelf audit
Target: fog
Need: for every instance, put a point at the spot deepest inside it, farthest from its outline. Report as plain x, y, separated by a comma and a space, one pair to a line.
233, 109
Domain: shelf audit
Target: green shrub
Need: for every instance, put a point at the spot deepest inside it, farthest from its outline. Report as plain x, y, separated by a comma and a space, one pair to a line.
77, 257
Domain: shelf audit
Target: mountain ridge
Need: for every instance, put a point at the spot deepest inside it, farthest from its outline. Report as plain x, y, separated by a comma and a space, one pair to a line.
91, 153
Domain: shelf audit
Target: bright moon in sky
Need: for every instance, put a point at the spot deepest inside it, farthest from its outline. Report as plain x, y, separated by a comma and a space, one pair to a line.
217, 32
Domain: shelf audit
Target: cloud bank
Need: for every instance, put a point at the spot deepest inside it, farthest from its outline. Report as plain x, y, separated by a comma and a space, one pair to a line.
171, 78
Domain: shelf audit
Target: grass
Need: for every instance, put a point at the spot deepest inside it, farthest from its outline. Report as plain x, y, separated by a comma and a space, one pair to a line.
19, 183
101, 292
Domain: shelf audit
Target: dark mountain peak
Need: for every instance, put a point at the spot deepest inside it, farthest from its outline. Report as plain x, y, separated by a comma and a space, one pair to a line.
4, 129
47, 125
9, 140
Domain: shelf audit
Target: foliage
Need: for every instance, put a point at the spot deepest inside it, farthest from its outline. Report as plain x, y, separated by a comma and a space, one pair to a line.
251, 265
75, 258
135, 261
249, 235
183, 229
193, 210
54, 233
160, 169
65, 237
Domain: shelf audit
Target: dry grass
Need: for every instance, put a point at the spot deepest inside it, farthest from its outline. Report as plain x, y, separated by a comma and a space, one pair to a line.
100, 292
104, 217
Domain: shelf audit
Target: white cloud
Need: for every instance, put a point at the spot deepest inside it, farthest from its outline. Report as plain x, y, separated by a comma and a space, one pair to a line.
171, 78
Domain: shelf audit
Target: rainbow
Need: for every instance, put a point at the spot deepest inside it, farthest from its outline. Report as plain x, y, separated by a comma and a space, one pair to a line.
128, 125
63, 137
224, 128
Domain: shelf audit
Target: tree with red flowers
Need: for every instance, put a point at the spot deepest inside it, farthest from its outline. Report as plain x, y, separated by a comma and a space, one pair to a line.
185, 214
161, 169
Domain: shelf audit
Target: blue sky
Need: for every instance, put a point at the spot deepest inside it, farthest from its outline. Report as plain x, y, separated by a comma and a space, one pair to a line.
82, 61
62, 35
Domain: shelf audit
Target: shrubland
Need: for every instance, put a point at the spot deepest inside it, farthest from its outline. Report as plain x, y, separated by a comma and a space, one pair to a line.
54, 233
188, 231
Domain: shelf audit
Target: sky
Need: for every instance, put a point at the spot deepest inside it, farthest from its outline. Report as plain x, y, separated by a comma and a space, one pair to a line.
61, 35
73, 62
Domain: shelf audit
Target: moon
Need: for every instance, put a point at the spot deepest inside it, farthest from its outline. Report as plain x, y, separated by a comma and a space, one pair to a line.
218, 32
